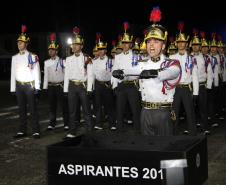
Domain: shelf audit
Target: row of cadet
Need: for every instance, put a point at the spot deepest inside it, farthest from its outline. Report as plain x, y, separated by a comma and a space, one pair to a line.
136, 79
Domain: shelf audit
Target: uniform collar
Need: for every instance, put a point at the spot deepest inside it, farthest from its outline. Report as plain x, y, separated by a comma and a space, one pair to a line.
23, 52
77, 54
214, 55
102, 58
126, 53
156, 59
195, 54
55, 58
182, 54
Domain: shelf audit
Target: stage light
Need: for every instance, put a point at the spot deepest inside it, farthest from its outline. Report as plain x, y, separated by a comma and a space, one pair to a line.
69, 41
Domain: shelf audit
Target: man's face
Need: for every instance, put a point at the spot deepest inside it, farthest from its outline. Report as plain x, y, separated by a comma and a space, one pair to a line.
52, 53
155, 47
76, 48
196, 48
213, 50
21, 45
96, 54
205, 50
181, 45
101, 52
126, 46
220, 50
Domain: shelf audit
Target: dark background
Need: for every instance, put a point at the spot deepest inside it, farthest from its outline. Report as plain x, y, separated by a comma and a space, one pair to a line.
104, 16
107, 16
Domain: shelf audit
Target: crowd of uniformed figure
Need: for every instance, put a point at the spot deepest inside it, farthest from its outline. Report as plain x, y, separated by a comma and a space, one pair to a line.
128, 86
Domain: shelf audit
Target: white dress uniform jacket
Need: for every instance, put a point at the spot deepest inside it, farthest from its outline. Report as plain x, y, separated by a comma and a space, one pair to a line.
102, 68
53, 71
189, 71
205, 73
22, 71
152, 89
75, 70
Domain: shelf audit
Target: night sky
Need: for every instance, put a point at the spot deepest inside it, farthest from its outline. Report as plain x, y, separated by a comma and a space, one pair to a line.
107, 16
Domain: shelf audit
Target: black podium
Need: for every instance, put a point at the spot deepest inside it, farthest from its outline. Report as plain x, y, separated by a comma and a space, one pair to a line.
109, 159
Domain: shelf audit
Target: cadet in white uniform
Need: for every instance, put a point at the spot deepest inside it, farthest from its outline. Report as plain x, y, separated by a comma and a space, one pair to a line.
212, 60
53, 81
25, 81
158, 75
224, 78
102, 69
205, 77
220, 50
217, 81
78, 83
127, 88
183, 93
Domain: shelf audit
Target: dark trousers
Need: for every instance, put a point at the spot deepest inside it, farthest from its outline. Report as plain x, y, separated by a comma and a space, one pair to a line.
219, 97
104, 97
56, 97
224, 96
25, 95
184, 95
156, 122
201, 108
77, 95
128, 92
211, 105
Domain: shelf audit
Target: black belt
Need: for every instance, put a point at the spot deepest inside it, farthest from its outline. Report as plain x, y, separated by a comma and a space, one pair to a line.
202, 83
184, 85
55, 84
106, 83
155, 105
129, 81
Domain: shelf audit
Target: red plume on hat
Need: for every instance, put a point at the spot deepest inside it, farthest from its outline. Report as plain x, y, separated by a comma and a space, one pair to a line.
171, 39
219, 37
113, 43
203, 34
52, 37
180, 26
155, 15
76, 30
23, 29
213, 35
195, 32
98, 36
126, 26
